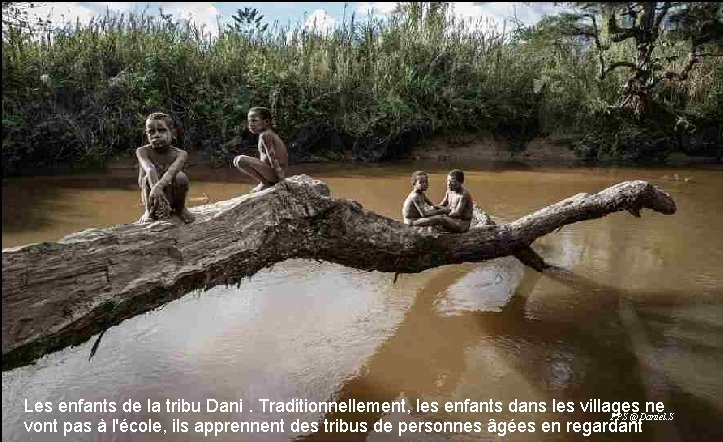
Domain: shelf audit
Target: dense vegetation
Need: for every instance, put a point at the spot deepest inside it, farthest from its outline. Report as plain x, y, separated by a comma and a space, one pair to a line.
368, 90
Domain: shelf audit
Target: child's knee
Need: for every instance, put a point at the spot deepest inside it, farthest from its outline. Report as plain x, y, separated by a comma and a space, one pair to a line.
181, 182
241, 161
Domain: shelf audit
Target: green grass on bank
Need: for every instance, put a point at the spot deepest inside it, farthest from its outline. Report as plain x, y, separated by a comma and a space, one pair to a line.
80, 95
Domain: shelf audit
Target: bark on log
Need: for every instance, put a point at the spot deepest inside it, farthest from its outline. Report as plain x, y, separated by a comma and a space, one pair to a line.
57, 294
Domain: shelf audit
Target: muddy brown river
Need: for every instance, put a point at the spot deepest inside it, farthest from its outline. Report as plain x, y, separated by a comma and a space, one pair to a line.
634, 315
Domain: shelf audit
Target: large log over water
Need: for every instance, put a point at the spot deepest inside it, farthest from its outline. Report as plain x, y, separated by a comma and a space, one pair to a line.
57, 294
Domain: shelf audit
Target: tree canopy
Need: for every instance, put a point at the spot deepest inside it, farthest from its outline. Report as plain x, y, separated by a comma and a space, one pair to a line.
651, 27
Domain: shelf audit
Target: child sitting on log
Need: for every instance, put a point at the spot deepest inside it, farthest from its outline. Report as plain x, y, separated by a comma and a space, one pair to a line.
417, 207
270, 167
163, 184
453, 214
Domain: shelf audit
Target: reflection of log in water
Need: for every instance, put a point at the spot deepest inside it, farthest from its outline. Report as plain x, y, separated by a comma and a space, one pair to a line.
60, 294
409, 362
426, 355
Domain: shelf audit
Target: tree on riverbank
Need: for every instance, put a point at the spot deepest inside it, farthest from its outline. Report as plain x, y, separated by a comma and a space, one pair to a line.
649, 26
645, 54
368, 90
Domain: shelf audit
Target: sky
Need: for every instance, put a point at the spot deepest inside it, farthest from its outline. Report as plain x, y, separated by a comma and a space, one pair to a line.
324, 15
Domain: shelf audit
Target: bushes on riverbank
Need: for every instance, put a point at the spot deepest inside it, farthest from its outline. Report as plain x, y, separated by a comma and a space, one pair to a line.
80, 95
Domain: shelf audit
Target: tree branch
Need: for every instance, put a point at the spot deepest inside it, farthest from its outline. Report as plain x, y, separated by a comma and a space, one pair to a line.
598, 45
618, 34
62, 293
618, 64
693, 58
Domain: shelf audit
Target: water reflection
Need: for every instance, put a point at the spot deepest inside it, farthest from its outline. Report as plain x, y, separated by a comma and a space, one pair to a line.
600, 350
425, 358
633, 313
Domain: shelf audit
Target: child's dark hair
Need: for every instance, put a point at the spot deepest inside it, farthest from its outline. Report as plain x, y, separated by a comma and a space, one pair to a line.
263, 112
416, 174
176, 128
163, 117
457, 175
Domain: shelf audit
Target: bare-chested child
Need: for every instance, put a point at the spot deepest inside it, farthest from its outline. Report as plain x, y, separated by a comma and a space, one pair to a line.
417, 207
163, 184
270, 167
457, 207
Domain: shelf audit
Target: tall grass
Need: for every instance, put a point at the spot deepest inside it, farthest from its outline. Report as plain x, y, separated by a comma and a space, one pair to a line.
79, 95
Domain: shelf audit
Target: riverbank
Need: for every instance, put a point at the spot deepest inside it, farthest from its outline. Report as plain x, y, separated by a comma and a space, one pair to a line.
476, 148
467, 148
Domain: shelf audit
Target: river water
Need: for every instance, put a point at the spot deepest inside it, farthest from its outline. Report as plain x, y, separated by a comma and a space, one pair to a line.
635, 314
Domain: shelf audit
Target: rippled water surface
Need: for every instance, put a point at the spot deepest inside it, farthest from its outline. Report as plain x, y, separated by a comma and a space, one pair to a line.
636, 313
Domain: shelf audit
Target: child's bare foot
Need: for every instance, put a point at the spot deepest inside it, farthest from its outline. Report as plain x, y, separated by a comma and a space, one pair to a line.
161, 209
186, 216
260, 187
146, 218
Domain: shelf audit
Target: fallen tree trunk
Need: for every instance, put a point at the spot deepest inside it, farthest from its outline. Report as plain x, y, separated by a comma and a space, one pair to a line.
57, 294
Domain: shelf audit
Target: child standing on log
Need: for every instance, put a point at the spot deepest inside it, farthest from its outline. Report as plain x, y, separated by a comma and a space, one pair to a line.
270, 167
163, 184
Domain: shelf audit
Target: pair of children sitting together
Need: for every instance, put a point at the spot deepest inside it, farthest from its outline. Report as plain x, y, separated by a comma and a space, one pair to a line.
453, 214
164, 186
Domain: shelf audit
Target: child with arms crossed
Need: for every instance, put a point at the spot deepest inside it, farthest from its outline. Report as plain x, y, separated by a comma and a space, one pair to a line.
163, 184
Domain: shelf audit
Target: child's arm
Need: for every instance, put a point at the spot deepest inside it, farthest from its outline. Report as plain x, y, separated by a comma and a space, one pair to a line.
153, 201
270, 145
443, 206
160, 183
436, 210
178, 163
460, 210
146, 164
421, 208
445, 201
